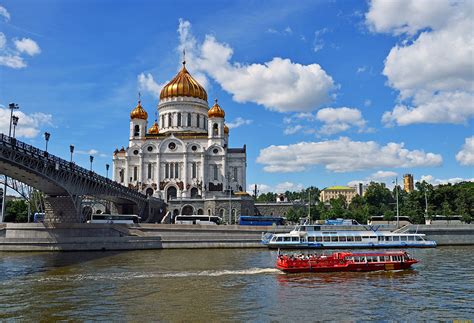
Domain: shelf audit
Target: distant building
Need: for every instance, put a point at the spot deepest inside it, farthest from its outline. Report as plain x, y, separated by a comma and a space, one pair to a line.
281, 198
333, 192
408, 183
360, 188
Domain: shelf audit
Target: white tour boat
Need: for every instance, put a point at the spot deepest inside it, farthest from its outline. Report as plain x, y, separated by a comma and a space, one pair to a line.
316, 236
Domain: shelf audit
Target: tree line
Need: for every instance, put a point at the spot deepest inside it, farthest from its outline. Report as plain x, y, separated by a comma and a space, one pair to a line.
378, 200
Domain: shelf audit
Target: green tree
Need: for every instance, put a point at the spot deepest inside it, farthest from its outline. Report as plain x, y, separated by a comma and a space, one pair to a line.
16, 211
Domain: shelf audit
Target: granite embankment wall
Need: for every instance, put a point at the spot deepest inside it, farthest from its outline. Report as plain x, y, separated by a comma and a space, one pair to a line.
76, 237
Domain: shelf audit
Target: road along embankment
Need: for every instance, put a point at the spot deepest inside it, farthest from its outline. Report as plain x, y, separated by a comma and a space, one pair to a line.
85, 236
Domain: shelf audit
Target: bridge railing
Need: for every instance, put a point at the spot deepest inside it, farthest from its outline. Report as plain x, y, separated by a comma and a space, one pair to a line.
60, 163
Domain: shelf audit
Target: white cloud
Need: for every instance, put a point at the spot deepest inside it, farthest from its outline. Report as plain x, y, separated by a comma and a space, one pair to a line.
383, 174
318, 42
13, 61
27, 45
436, 181
361, 69
343, 155
291, 130
279, 188
29, 125
148, 84
91, 152
3, 40
266, 84
367, 103
288, 30
466, 155
436, 67
238, 122
4, 13
340, 119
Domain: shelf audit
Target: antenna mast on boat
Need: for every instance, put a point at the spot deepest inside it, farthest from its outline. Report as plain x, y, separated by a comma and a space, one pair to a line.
396, 193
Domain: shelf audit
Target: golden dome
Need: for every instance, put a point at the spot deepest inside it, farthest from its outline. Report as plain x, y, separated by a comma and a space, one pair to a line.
183, 84
226, 129
139, 112
154, 129
216, 111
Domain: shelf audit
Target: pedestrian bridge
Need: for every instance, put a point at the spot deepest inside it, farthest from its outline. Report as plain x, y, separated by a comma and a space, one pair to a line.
67, 184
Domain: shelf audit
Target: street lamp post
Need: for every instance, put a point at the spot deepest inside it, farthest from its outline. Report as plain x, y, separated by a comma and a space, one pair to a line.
15, 122
91, 158
11, 106
396, 194
46, 138
71, 150
107, 170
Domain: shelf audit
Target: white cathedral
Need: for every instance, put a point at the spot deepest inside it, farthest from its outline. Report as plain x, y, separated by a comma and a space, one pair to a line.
184, 157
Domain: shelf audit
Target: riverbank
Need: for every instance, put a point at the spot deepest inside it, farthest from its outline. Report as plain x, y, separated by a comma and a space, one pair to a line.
89, 237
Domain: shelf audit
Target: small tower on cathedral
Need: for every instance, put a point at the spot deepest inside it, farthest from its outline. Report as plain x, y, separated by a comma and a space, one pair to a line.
138, 122
216, 122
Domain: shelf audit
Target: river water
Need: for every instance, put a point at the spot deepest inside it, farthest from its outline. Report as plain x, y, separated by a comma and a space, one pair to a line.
228, 285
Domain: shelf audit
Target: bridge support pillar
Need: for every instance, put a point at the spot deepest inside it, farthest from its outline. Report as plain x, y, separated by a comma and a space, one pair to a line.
61, 209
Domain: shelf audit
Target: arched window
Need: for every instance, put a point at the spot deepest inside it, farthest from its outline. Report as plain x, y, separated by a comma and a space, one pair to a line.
135, 173
200, 212
136, 131
171, 192
209, 212
214, 170
162, 121
194, 170
149, 191
197, 120
167, 170
169, 120
121, 175
189, 119
179, 119
215, 129
194, 192
176, 168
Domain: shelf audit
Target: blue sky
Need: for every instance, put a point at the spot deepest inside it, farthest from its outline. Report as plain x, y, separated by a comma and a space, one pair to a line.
321, 92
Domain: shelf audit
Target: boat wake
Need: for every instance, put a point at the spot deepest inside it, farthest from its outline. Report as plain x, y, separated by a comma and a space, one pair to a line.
136, 275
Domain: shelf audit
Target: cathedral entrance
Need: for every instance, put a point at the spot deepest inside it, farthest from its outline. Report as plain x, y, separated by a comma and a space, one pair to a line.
194, 192
171, 192
187, 210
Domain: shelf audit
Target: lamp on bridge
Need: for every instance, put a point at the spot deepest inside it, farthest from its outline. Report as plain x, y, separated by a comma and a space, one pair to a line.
46, 137
71, 149
15, 122
107, 170
91, 158
12, 106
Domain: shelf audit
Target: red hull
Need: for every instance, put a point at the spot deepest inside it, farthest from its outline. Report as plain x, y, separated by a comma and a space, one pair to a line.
340, 261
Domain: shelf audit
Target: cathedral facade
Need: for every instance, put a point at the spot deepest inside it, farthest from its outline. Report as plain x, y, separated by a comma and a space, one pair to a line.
184, 157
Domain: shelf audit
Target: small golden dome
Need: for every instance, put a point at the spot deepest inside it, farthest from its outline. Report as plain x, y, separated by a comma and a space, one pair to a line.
226, 129
216, 111
139, 112
154, 129
183, 84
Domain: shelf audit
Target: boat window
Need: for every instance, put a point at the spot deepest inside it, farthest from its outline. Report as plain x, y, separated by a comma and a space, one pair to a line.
287, 238
403, 238
358, 238
388, 238
310, 239
380, 238
350, 238
295, 239
309, 228
418, 238
280, 239
396, 238
327, 239
319, 239
350, 258
342, 239
302, 228
411, 238
334, 239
